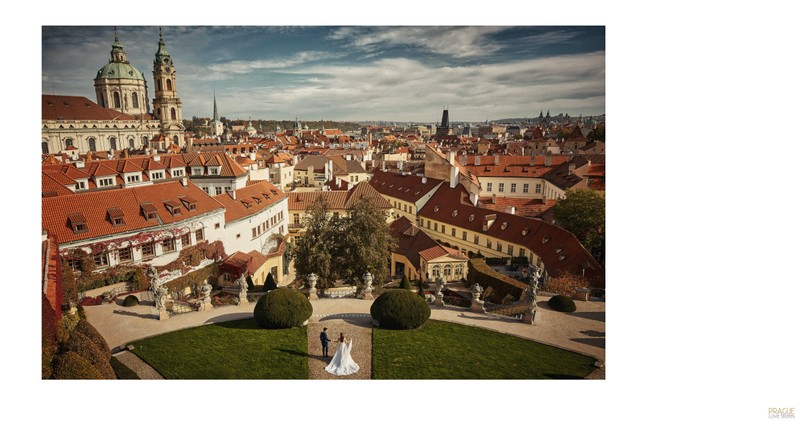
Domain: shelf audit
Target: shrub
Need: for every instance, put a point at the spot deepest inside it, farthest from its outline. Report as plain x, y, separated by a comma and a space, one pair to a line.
72, 366
140, 281
83, 346
250, 285
90, 332
269, 283
562, 303
400, 309
565, 284
420, 288
130, 301
92, 301
405, 284
282, 308
81, 312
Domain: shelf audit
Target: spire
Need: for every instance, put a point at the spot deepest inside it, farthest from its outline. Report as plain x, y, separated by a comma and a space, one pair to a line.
117, 52
162, 56
216, 116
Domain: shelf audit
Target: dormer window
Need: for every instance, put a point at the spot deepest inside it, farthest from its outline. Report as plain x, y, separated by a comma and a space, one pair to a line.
561, 257
157, 175
213, 170
177, 172
149, 211
504, 225
471, 217
189, 203
173, 207
116, 216
266, 195
436, 209
197, 170
525, 231
558, 250
246, 203
275, 192
77, 222
545, 240
455, 212
134, 178
257, 199
103, 182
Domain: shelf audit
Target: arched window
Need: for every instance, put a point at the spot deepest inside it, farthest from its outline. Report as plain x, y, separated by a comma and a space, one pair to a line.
175, 139
68, 143
130, 142
45, 148
116, 100
169, 84
459, 270
173, 114
159, 85
92, 146
144, 140
135, 100
435, 271
448, 271
113, 142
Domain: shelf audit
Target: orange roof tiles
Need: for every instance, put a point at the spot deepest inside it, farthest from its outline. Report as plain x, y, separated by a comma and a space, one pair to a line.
338, 199
237, 209
409, 188
93, 206
61, 107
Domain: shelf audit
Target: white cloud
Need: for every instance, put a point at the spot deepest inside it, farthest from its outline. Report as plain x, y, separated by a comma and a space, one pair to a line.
230, 69
451, 41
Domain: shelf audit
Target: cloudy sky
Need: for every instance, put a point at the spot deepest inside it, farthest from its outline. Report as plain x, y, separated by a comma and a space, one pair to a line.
394, 73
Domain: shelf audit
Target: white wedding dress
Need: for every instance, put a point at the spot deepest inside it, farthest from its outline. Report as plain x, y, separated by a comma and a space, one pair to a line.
342, 364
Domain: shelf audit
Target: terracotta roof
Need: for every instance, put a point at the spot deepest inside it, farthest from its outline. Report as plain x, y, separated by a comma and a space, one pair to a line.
558, 248
529, 208
72, 172
128, 165
93, 206
61, 107
52, 187
280, 158
100, 169
317, 161
512, 165
441, 251
466, 172
408, 188
337, 199
267, 194
152, 164
414, 243
560, 175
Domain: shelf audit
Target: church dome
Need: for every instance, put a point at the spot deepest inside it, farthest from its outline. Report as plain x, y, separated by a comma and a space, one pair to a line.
116, 70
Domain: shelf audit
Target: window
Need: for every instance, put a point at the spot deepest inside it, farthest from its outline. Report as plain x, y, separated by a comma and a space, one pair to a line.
488, 243
336, 215
453, 232
448, 271
429, 224
197, 171
464, 235
525, 188
213, 171
132, 178
45, 148
459, 270
178, 172
168, 245
513, 187
216, 226
521, 252
135, 100
255, 234
116, 100
501, 187
205, 189
436, 269
356, 179
92, 145
510, 250
538, 189
169, 86
113, 142
499, 246
101, 259
157, 175
297, 219
475, 238
198, 235
148, 249
172, 113
186, 240
442, 228
435, 226
218, 190
75, 265
80, 185
105, 182
125, 254
488, 186
68, 142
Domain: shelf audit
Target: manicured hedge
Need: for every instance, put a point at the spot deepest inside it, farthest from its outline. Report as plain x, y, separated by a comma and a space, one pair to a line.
87, 329
487, 277
83, 346
400, 309
72, 366
562, 303
130, 301
282, 308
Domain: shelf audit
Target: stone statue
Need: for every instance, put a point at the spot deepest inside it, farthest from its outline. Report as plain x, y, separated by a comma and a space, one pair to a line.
438, 287
242, 281
312, 286
477, 290
152, 276
161, 293
205, 291
367, 294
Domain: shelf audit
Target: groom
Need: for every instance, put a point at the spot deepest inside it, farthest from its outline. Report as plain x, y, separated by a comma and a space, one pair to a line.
323, 337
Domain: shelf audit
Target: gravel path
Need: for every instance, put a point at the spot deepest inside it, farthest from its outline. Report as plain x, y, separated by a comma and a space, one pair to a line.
357, 328
141, 368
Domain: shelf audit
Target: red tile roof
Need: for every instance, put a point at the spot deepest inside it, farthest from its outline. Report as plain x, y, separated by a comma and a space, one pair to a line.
338, 199
512, 165
61, 107
93, 206
414, 243
408, 188
529, 208
558, 248
265, 191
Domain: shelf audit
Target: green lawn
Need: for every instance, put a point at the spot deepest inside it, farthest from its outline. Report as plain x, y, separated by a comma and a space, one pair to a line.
442, 350
237, 349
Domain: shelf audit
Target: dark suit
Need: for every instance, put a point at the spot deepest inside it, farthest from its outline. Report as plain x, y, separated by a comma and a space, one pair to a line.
323, 337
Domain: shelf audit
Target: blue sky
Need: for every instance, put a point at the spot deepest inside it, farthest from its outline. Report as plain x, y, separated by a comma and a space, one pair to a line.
395, 73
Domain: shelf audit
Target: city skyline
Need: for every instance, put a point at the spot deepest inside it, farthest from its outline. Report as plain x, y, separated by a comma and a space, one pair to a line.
385, 73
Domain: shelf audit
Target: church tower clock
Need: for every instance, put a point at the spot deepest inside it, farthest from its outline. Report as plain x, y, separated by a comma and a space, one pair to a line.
166, 104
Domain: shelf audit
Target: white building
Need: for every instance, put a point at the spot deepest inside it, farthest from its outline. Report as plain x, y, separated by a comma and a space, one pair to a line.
252, 215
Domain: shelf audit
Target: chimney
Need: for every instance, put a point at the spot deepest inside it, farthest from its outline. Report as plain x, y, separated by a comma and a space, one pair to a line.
424, 180
548, 159
338, 182
80, 164
497, 160
253, 156
400, 166
477, 160
451, 157
232, 193
383, 165
453, 177
473, 198
157, 158
571, 168
494, 199
533, 160
510, 209
185, 182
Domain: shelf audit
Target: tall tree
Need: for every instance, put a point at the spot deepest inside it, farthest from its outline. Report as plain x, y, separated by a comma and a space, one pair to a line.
312, 254
583, 213
367, 243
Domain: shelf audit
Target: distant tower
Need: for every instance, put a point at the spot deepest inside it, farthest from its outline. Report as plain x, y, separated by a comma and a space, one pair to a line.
166, 104
444, 129
216, 125
120, 86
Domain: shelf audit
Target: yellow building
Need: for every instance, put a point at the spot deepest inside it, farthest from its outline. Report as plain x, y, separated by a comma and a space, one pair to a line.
418, 256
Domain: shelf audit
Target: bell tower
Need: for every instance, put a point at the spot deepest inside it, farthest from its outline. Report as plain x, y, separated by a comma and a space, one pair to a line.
166, 104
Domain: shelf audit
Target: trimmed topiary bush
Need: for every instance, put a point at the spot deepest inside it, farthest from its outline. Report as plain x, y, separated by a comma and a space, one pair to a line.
282, 308
405, 284
130, 301
562, 303
83, 346
400, 309
269, 283
90, 332
72, 366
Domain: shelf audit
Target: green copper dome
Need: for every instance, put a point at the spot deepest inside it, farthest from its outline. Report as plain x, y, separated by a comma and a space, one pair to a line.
118, 67
119, 71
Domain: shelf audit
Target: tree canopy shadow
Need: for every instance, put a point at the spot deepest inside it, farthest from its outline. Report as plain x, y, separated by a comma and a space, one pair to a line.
600, 316
597, 342
133, 313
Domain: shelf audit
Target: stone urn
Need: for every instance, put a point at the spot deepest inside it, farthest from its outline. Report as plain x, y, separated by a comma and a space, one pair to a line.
367, 294
312, 284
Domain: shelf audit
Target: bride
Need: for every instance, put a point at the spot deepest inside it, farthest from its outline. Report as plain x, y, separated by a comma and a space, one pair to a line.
342, 364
